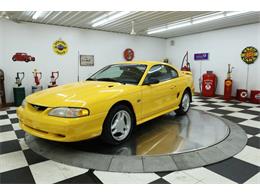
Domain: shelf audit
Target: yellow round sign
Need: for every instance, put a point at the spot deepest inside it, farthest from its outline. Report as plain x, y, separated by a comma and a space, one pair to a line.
249, 55
60, 47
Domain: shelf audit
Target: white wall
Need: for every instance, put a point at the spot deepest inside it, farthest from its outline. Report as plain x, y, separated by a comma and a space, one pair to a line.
1, 47
224, 47
36, 40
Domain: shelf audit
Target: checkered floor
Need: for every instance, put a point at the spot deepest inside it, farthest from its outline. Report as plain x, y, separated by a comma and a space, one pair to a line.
19, 164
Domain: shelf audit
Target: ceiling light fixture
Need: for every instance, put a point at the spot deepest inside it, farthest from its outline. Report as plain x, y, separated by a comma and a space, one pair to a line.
107, 18
38, 14
236, 13
169, 27
197, 20
208, 18
102, 17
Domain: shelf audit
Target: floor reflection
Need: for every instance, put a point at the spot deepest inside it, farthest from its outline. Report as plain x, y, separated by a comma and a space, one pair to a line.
164, 135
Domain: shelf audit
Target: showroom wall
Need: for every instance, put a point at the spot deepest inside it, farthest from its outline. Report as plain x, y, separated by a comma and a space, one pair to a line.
37, 39
224, 47
1, 47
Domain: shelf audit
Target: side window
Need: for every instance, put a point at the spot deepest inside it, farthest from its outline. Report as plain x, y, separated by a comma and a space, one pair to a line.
173, 72
160, 72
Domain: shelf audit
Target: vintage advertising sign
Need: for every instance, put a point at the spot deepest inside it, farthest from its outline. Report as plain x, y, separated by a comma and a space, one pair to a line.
249, 55
129, 54
60, 47
86, 60
201, 56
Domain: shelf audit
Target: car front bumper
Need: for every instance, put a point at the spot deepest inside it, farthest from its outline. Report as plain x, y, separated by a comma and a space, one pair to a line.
40, 124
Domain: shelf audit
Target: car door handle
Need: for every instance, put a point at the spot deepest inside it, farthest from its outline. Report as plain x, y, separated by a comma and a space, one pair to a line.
172, 87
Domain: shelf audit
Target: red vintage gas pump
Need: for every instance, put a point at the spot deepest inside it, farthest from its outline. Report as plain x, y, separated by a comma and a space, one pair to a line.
228, 84
37, 77
209, 84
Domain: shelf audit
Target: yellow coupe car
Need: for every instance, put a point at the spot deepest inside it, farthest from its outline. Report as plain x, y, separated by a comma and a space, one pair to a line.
108, 104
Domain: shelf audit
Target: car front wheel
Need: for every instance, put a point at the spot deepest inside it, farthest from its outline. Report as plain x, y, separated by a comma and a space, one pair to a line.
118, 125
185, 104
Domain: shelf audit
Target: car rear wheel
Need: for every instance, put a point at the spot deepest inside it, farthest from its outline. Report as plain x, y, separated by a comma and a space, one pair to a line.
185, 104
118, 125
14, 59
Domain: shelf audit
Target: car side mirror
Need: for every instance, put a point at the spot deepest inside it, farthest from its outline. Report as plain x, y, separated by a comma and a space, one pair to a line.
151, 81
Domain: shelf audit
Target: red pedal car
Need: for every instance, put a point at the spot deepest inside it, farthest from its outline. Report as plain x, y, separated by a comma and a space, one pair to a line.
23, 57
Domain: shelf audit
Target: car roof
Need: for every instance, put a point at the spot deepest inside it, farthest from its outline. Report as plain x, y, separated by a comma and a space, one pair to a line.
148, 63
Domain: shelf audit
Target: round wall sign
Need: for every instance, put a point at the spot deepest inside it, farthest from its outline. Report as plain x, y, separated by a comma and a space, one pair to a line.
249, 55
60, 47
129, 54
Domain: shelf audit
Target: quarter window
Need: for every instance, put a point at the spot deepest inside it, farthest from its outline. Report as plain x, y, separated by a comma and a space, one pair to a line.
173, 72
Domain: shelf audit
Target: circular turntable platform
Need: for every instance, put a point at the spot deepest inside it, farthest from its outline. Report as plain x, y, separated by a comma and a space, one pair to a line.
166, 143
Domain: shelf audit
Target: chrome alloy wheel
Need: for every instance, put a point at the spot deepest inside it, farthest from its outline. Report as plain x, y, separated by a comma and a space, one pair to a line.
185, 102
121, 125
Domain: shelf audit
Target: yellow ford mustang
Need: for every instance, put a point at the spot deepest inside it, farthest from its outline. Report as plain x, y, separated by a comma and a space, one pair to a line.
108, 104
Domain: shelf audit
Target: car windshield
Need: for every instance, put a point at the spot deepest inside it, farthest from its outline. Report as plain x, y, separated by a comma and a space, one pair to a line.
123, 73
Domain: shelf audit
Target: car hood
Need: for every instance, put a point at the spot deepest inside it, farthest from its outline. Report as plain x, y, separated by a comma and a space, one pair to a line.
77, 94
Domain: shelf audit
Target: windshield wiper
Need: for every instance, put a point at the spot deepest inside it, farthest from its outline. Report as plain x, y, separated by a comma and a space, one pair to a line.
109, 79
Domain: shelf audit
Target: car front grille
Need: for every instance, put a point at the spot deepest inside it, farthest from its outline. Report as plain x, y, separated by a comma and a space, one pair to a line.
39, 108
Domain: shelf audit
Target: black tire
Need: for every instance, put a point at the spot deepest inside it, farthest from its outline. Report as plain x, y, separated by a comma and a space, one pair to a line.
14, 59
182, 110
106, 135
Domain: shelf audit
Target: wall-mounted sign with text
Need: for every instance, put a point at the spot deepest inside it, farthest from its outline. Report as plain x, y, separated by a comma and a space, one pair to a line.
86, 60
201, 56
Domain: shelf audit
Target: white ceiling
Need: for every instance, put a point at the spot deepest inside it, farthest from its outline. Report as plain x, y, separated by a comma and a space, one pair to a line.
144, 20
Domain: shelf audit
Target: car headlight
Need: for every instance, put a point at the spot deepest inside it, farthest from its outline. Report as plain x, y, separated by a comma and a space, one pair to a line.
23, 103
69, 112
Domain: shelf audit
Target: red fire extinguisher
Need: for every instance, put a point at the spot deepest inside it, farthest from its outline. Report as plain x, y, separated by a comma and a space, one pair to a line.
209, 84
228, 84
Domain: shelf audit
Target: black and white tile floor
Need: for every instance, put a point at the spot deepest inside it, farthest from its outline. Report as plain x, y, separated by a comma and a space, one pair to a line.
19, 164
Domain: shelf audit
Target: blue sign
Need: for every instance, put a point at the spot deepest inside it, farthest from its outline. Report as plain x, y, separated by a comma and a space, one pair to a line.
201, 56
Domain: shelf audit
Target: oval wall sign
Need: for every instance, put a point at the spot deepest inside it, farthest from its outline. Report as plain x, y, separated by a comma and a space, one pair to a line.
129, 54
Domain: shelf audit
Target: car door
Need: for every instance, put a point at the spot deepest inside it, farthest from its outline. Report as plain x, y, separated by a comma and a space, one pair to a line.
158, 97
176, 86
